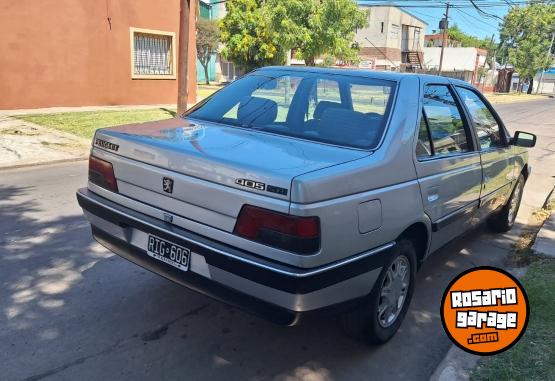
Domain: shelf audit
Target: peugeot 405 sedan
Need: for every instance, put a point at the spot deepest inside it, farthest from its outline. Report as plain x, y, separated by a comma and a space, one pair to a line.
294, 191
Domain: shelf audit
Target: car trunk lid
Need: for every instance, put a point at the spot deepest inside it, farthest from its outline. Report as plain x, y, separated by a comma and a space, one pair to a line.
234, 157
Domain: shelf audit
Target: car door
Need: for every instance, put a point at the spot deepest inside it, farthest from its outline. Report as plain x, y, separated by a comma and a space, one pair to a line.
495, 151
447, 163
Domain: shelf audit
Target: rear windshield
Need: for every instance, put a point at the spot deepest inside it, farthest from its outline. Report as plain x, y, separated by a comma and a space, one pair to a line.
336, 109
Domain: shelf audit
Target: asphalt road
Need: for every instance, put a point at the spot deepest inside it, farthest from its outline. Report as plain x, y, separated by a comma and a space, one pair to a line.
71, 310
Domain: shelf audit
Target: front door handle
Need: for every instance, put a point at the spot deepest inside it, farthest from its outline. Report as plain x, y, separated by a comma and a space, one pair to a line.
433, 194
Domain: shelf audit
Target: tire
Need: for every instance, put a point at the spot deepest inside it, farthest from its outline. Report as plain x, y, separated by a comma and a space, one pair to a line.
503, 221
364, 322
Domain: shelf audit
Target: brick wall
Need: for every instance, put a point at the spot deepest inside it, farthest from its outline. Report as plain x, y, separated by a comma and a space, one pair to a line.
370, 52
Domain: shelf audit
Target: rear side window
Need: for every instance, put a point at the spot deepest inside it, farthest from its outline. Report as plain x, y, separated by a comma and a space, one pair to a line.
442, 118
424, 144
487, 128
338, 109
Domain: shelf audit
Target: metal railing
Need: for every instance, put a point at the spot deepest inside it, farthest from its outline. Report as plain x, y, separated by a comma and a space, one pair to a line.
152, 54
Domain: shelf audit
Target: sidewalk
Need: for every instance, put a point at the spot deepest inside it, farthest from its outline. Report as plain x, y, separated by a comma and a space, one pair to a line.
500, 98
545, 240
23, 143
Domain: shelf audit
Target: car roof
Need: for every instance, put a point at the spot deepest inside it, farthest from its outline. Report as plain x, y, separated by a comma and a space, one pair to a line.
385, 75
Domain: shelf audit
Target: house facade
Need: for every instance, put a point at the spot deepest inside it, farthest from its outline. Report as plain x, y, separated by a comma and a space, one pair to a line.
219, 69
458, 62
547, 83
82, 52
393, 39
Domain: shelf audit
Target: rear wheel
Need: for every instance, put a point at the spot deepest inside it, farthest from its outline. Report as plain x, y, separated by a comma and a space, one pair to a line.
380, 314
504, 220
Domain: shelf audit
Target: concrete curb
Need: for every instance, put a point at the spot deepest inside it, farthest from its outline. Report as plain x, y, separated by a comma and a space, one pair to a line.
61, 161
544, 244
455, 366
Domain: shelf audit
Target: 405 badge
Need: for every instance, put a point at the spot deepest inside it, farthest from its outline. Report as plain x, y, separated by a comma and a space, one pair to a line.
485, 310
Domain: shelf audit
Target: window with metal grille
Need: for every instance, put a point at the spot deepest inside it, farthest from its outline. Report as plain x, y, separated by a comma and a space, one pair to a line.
152, 54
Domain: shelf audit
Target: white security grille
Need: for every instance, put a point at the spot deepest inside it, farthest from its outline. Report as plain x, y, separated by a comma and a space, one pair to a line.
152, 54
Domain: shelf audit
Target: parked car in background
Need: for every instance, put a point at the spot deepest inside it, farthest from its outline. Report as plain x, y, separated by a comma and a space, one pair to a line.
294, 191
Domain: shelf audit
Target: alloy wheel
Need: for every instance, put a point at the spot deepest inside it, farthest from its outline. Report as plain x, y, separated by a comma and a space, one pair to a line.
393, 292
515, 201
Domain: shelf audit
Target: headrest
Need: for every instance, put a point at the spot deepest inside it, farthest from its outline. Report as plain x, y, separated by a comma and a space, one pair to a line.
257, 110
323, 106
343, 118
349, 126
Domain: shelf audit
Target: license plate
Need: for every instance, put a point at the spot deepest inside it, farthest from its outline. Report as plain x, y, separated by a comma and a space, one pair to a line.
170, 253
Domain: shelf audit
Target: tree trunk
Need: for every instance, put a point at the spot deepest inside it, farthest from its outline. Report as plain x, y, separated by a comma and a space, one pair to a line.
206, 78
310, 61
530, 86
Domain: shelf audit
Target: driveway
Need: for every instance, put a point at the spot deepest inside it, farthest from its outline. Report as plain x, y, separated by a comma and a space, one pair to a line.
71, 310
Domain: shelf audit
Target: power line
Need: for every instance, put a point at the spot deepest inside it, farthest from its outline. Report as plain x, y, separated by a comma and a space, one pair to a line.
483, 12
425, 15
468, 21
467, 4
462, 2
474, 19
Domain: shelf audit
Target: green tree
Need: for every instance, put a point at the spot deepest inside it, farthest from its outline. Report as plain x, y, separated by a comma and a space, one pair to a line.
526, 34
249, 40
316, 27
208, 38
466, 40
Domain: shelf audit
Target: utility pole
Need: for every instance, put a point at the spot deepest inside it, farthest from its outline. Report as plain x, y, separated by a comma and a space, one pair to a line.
484, 65
186, 61
548, 55
444, 37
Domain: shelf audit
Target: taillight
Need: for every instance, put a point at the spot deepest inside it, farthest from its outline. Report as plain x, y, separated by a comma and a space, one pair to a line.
284, 231
101, 173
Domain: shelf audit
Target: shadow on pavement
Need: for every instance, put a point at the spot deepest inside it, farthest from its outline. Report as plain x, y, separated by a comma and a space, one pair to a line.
70, 309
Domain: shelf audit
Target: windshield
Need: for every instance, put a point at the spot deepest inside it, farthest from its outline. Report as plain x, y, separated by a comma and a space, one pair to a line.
337, 109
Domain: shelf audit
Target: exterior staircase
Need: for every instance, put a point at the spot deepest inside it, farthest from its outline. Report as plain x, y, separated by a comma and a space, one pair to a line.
413, 58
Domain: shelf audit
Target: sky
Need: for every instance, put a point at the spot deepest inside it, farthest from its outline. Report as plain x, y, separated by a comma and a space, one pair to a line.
463, 14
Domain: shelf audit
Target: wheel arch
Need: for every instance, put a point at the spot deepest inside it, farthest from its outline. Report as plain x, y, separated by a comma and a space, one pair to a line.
419, 234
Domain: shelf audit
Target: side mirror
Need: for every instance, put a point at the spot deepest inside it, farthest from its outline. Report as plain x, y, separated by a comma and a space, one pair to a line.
524, 139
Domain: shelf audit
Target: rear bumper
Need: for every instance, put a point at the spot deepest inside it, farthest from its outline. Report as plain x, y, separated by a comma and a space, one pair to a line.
273, 290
